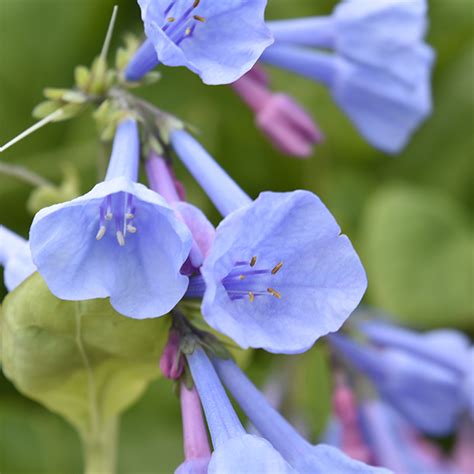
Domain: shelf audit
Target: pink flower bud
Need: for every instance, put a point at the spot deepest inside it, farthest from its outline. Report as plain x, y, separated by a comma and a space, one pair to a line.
171, 362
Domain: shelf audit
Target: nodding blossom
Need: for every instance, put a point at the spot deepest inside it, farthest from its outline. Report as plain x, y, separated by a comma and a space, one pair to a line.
372, 57
218, 40
120, 240
279, 274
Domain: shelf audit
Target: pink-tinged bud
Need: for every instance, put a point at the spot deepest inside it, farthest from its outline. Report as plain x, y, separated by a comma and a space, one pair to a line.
171, 361
345, 407
463, 452
162, 179
258, 75
344, 403
197, 452
288, 126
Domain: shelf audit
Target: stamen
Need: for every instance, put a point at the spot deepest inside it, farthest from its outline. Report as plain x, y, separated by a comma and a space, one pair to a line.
274, 293
196, 3
101, 232
276, 268
109, 215
199, 18
129, 215
241, 277
253, 261
120, 238
251, 296
131, 228
171, 19
188, 31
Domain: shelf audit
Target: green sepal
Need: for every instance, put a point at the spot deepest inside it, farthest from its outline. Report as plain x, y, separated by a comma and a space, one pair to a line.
43, 109
82, 77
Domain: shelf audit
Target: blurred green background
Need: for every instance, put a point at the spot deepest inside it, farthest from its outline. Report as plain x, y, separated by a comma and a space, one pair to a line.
408, 216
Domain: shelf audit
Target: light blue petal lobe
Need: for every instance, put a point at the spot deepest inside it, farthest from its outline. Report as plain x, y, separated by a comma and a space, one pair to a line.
320, 282
142, 277
193, 466
248, 454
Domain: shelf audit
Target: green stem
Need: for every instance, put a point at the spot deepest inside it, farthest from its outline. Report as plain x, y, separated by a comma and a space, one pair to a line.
100, 449
23, 174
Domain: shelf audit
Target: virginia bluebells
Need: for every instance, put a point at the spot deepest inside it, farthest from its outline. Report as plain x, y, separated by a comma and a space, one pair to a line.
119, 240
379, 70
426, 393
15, 257
219, 41
234, 450
300, 454
279, 274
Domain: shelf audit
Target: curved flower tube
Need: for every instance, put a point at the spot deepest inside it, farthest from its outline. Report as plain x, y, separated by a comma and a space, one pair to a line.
120, 240
235, 451
299, 453
219, 41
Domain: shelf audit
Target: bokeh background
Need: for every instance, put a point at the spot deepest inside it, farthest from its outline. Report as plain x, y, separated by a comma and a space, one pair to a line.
408, 215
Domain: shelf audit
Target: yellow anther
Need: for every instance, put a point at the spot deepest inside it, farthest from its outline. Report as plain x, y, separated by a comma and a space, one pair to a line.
251, 296
108, 216
120, 238
199, 18
101, 232
131, 228
188, 31
276, 268
274, 293
171, 19
253, 261
241, 277
129, 215
196, 3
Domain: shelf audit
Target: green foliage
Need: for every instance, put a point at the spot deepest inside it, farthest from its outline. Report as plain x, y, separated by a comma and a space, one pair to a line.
41, 43
44, 196
79, 359
418, 249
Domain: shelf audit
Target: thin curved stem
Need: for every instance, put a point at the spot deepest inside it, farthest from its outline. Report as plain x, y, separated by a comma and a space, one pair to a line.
23, 174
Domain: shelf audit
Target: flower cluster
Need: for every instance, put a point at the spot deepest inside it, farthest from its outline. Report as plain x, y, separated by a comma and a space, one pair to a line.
276, 273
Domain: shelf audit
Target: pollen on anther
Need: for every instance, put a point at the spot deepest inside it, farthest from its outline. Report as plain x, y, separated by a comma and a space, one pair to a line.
131, 228
274, 293
199, 18
101, 232
276, 268
251, 296
188, 31
241, 277
108, 216
171, 19
253, 261
120, 238
196, 3
129, 215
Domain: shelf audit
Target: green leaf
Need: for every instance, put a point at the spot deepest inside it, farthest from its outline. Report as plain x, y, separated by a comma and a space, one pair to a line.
417, 248
79, 359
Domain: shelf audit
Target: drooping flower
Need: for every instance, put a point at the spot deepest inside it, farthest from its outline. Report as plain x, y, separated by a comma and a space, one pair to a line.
15, 257
299, 453
235, 451
219, 41
279, 274
197, 452
287, 125
379, 71
120, 240
427, 394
